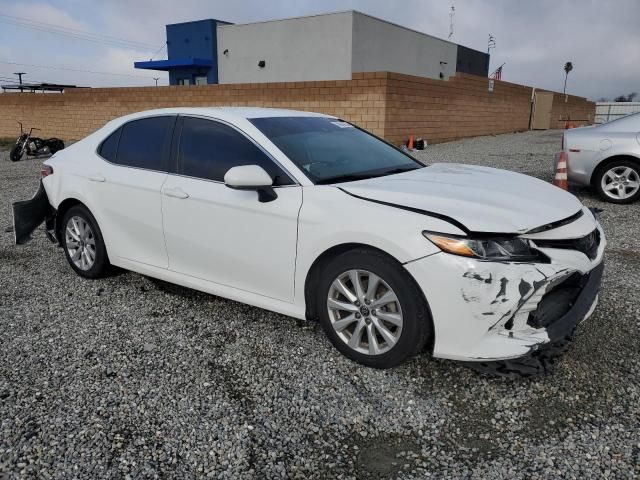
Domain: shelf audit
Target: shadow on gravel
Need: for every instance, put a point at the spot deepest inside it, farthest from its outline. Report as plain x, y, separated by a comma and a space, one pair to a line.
176, 290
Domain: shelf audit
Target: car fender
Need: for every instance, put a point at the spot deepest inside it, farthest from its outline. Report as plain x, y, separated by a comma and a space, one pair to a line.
330, 217
69, 185
613, 152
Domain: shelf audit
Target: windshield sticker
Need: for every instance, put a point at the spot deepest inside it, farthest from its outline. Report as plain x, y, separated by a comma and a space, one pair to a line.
342, 124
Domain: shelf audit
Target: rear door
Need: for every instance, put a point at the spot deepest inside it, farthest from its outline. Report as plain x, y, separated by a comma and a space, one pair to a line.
127, 185
224, 235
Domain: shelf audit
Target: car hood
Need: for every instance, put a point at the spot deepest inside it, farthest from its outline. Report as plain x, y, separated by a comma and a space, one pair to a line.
482, 199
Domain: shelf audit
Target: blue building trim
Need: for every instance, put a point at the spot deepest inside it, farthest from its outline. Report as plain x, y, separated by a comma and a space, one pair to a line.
192, 52
167, 65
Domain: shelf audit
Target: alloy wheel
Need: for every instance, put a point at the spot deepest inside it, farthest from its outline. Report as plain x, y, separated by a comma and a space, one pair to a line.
365, 312
620, 182
80, 243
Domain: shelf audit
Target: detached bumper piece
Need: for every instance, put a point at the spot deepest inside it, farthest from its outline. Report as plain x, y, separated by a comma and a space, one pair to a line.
29, 215
559, 312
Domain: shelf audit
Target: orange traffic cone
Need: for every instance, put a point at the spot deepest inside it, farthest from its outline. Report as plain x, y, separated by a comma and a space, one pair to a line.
560, 179
410, 142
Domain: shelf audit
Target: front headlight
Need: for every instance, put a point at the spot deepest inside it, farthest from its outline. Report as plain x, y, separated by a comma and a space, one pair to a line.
509, 249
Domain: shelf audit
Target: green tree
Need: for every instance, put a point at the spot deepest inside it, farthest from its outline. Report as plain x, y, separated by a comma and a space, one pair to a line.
567, 68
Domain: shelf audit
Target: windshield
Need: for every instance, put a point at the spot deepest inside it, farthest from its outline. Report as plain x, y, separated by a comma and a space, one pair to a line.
332, 151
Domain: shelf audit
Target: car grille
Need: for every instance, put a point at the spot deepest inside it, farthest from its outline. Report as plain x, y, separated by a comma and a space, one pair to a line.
588, 244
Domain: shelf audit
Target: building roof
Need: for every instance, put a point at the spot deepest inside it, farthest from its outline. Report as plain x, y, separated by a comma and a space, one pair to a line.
342, 12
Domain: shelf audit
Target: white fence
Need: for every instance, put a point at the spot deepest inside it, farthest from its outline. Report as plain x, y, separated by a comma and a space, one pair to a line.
607, 111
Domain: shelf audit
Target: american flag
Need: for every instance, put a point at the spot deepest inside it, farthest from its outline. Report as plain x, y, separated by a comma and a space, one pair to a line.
497, 75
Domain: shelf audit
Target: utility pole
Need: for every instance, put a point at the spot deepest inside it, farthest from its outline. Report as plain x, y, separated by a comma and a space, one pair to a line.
20, 78
451, 15
156, 79
490, 44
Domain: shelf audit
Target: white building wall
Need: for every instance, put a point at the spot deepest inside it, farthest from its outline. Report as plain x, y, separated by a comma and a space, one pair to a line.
379, 46
297, 49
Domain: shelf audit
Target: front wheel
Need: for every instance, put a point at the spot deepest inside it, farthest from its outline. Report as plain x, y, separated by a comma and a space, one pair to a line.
371, 309
619, 182
16, 153
83, 243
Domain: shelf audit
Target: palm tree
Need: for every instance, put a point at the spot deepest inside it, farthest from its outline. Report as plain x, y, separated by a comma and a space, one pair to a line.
567, 68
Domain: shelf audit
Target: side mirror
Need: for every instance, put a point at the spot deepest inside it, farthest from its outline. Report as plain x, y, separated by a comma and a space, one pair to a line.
251, 177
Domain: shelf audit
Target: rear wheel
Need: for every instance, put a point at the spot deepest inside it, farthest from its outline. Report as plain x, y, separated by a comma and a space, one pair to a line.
371, 310
16, 153
619, 181
83, 243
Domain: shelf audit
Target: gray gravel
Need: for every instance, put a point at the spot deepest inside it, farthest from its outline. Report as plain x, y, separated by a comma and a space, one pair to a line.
129, 377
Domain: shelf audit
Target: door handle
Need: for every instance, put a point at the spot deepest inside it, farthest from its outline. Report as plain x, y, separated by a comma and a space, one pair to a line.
97, 178
175, 193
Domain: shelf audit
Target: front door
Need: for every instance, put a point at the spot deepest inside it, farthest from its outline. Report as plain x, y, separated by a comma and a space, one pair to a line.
223, 235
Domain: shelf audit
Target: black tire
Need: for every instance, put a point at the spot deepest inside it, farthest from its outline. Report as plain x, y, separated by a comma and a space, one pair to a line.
100, 264
16, 153
417, 326
621, 163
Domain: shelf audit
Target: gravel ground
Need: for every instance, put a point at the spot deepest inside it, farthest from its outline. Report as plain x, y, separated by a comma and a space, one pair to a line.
128, 377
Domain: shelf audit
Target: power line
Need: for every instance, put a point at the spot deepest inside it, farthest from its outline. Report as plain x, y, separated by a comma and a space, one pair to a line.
159, 50
76, 34
75, 70
6, 78
27, 23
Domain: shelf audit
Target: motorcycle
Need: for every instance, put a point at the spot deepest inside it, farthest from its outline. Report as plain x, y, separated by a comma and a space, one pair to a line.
34, 146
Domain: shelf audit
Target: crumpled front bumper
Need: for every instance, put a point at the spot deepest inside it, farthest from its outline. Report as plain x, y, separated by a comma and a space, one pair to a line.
486, 310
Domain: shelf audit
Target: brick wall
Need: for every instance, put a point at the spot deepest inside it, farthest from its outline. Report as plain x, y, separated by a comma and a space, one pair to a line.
77, 112
388, 104
464, 107
574, 110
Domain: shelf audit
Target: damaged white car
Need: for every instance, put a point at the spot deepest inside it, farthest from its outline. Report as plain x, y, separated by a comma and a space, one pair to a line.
309, 216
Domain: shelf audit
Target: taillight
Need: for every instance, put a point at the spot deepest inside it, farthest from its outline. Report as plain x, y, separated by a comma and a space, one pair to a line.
46, 171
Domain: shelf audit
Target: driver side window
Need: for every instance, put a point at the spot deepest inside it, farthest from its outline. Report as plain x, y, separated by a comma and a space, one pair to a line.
208, 149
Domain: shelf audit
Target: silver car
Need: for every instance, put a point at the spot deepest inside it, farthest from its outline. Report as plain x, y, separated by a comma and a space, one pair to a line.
606, 157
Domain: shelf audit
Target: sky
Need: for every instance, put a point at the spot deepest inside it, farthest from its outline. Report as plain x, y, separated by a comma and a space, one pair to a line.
533, 38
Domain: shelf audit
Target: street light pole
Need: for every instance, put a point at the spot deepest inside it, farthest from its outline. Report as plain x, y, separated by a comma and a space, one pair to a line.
20, 78
156, 79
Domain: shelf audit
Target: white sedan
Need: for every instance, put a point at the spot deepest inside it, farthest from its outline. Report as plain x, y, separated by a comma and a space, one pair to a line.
312, 217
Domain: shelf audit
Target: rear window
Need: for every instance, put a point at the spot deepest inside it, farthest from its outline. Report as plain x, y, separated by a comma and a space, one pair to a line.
629, 123
140, 143
109, 147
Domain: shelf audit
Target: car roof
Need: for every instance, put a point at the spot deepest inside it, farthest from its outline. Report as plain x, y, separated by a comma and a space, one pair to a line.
224, 113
